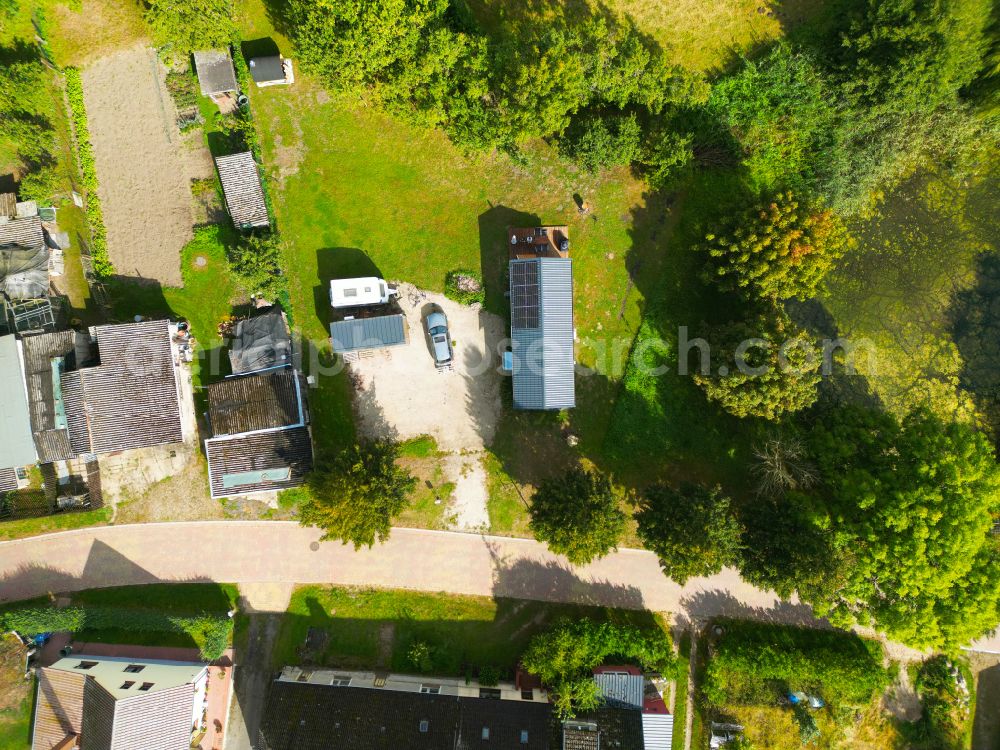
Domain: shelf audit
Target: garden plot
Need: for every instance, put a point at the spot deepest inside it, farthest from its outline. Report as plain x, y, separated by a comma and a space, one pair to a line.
142, 171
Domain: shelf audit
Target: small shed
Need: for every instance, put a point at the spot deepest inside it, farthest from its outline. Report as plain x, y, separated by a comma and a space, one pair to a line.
273, 70
243, 191
261, 342
364, 334
216, 75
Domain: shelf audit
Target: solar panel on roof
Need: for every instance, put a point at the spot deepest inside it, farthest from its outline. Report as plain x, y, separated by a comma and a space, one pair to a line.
524, 295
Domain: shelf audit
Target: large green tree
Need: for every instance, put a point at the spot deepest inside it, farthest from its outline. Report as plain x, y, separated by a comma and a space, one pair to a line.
692, 530
781, 249
578, 515
565, 656
355, 496
907, 508
766, 367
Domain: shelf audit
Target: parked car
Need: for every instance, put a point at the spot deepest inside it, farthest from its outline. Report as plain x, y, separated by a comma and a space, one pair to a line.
437, 330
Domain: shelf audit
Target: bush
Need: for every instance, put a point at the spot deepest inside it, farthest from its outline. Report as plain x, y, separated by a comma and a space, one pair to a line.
256, 260
188, 25
465, 287
211, 632
489, 676
594, 141
750, 657
420, 656
944, 693
88, 176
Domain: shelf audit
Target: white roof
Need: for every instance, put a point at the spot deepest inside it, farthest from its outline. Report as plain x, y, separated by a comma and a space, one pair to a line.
621, 687
367, 290
109, 672
17, 443
657, 731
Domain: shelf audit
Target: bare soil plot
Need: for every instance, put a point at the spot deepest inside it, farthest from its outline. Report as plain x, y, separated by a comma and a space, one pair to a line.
142, 169
405, 395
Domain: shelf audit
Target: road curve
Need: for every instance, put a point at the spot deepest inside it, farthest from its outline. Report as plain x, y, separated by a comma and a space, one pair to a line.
419, 559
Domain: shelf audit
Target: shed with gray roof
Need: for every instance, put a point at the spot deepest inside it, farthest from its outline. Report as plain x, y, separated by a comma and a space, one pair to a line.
242, 189
361, 334
215, 72
541, 310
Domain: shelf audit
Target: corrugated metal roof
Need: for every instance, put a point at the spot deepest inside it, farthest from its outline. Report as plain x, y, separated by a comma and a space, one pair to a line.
256, 401
657, 731
215, 72
543, 360
250, 457
241, 186
17, 445
26, 232
367, 333
621, 687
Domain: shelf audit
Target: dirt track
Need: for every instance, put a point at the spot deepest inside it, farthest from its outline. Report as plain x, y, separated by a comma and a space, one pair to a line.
143, 182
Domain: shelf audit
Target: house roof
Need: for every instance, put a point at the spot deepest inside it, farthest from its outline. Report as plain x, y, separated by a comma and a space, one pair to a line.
46, 357
609, 726
241, 186
367, 333
309, 716
621, 687
215, 72
26, 232
17, 446
259, 462
24, 271
256, 401
542, 357
96, 704
266, 69
261, 342
130, 400
657, 731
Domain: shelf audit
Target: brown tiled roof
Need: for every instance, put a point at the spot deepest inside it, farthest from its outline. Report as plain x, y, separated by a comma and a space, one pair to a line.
261, 451
257, 401
59, 707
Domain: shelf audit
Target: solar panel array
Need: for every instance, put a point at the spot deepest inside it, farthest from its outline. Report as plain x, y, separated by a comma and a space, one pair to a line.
524, 295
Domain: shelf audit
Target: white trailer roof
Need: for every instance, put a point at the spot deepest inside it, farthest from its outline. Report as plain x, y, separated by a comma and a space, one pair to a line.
368, 290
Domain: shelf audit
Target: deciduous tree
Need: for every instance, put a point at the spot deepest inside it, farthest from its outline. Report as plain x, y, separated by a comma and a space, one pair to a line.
691, 529
355, 496
578, 515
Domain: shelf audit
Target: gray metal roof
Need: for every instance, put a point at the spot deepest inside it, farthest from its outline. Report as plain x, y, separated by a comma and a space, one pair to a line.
542, 358
367, 333
215, 72
266, 69
17, 445
241, 186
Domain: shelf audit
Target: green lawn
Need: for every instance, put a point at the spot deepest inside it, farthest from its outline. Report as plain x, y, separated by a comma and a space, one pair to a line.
364, 628
57, 522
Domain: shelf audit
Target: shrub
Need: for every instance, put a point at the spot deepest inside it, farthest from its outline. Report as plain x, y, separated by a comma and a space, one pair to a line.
594, 141
489, 676
750, 657
211, 632
188, 25
256, 260
420, 656
465, 287
88, 175
946, 700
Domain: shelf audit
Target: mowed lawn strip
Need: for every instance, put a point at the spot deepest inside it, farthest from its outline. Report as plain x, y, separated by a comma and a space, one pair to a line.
356, 628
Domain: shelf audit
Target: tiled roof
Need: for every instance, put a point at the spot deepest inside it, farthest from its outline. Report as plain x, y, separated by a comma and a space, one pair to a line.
308, 716
26, 232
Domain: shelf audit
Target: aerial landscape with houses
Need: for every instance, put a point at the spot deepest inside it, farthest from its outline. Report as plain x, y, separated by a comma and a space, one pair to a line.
447, 374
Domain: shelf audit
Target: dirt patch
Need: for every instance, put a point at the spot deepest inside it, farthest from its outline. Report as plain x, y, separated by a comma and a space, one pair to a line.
182, 497
901, 699
468, 499
386, 638
142, 170
403, 393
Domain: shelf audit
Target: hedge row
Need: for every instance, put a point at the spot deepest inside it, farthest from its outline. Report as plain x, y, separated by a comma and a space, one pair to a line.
88, 171
210, 632
752, 661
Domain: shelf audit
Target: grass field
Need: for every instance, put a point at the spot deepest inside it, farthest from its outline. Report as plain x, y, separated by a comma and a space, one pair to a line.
365, 628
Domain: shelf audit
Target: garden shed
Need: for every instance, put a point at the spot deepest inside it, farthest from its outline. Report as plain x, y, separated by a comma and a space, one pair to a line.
243, 191
363, 334
216, 75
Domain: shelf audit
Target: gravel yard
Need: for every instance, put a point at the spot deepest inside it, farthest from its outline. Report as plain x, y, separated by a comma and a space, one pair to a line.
400, 391
142, 169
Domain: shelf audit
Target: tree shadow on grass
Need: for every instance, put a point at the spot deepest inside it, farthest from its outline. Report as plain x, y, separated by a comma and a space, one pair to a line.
494, 254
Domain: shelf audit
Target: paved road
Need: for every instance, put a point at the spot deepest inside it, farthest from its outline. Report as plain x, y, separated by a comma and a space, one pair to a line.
284, 552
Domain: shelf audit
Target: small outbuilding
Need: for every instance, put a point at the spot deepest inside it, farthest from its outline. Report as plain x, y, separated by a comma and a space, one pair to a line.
273, 70
243, 191
366, 334
216, 75
261, 342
